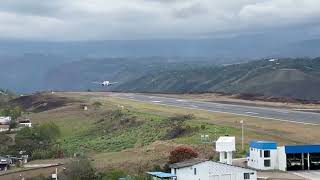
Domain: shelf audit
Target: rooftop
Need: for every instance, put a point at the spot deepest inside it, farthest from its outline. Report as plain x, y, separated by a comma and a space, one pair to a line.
161, 174
226, 139
308, 148
263, 144
187, 163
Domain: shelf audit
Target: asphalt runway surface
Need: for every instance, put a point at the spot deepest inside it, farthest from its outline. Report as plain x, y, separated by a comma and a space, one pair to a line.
279, 114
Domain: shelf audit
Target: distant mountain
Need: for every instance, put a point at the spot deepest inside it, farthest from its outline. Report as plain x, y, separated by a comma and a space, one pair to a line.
228, 48
293, 78
25, 73
80, 75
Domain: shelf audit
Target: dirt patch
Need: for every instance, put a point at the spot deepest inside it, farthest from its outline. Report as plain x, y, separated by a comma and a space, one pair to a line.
40, 102
142, 158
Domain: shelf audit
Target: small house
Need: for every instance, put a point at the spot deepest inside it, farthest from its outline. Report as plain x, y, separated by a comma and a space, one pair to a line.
4, 128
197, 169
25, 123
263, 155
5, 120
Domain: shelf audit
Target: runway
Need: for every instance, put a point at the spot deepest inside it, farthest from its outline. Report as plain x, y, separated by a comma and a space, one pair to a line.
279, 114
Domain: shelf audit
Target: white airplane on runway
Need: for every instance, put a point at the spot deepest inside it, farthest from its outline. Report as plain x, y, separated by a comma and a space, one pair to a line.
3, 93
105, 83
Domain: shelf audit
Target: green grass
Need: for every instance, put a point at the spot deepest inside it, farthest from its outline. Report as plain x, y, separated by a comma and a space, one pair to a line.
100, 139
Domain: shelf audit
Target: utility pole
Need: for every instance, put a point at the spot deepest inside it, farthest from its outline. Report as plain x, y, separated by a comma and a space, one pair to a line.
242, 147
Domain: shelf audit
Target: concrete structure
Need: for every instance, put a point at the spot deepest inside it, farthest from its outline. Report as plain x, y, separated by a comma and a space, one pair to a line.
263, 155
197, 169
4, 128
226, 145
5, 120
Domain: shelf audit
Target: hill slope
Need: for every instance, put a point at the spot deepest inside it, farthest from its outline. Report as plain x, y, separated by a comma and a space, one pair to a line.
281, 78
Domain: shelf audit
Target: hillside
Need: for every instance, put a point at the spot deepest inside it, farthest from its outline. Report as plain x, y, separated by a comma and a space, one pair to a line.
144, 134
281, 78
80, 75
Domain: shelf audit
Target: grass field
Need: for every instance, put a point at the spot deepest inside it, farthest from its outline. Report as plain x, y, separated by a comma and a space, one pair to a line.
141, 139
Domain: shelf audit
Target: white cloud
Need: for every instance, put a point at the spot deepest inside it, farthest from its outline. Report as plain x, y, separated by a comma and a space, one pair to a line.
136, 19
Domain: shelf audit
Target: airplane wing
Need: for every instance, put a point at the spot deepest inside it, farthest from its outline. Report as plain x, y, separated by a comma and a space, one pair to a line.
113, 83
96, 82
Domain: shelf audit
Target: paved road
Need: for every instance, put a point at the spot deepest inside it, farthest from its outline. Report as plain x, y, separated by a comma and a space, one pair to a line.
262, 112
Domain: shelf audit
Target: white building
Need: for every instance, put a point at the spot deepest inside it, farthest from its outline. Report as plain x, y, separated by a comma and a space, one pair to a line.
5, 120
197, 169
26, 123
263, 155
4, 128
226, 145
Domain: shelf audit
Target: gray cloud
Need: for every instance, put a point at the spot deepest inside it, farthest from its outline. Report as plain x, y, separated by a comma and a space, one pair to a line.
145, 19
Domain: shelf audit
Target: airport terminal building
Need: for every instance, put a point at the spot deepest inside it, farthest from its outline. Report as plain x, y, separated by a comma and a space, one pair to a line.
265, 155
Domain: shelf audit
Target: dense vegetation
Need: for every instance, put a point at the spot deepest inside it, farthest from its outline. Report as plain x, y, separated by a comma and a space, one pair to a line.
39, 142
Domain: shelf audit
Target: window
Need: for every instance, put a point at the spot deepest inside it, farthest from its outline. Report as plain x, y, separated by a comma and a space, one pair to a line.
267, 163
225, 155
266, 154
261, 153
195, 171
246, 176
175, 170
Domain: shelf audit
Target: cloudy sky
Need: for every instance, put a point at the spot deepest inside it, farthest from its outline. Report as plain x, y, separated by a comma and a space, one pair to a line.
149, 19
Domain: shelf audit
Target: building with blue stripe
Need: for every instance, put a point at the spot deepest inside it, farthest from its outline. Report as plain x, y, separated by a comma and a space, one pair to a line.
266, 155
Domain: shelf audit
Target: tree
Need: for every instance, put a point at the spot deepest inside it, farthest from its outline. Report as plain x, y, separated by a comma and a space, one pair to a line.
37, 138
14, 113
182, 153
6, 141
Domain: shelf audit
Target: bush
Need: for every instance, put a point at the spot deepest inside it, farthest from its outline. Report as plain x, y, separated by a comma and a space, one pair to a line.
182, 153
79, 169
113, 174
174, 132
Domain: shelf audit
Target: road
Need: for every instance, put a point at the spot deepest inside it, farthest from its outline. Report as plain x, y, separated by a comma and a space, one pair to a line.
278, 114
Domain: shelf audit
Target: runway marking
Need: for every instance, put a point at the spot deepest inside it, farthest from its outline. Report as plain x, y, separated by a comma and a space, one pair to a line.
156, 101
194, 106
276, 119
181, 100
252, 113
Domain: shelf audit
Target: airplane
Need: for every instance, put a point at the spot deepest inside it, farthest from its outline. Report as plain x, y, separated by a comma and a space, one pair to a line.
3, 93
105, 83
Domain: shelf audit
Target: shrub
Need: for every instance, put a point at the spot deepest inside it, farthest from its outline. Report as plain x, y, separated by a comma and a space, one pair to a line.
79, 169
182, 153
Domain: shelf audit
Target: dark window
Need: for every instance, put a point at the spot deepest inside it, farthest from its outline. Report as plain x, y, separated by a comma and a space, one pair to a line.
266, 154
267, 163
261, 153
175, 170
195, 171
246, 176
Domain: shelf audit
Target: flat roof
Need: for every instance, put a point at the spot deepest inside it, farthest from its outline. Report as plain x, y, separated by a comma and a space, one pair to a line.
263, 145
226, 139
308, 148
161, 174
187, 163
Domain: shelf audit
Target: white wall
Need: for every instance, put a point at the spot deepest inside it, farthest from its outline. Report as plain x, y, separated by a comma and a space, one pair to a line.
4, 129
257, 162
213, 171
27, 124
282, 159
